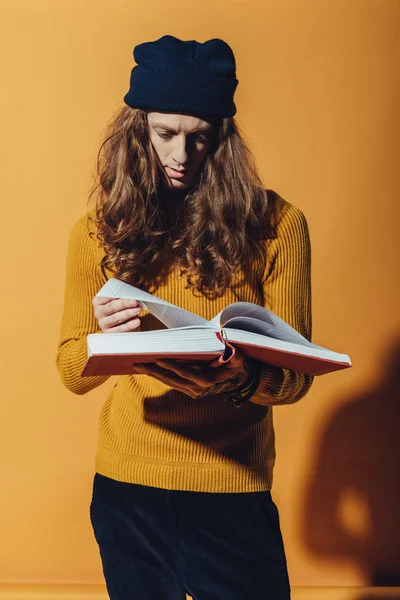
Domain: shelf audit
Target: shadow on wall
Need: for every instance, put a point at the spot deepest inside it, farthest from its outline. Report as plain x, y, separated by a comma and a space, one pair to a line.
352, 507
381, 597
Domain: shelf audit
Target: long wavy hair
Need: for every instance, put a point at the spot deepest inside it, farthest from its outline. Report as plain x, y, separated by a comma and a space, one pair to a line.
215, 230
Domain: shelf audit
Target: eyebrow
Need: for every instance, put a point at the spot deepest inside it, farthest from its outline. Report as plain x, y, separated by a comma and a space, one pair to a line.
170, 130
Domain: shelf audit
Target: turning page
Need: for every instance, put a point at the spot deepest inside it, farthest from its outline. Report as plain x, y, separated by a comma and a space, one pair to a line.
170, 315
257, 319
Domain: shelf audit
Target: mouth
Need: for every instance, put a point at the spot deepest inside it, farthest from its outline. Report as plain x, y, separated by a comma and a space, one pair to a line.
174, 174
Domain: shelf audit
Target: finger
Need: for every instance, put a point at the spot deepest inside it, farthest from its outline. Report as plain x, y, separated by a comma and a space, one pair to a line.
188, 387
205, 378
154, 369
118, 318
167, 377
100, 300
163, 375
190, 372
199, 366
208, 380
114, 305
131, 325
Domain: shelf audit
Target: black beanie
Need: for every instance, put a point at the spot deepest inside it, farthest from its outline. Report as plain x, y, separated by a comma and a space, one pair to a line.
183, 77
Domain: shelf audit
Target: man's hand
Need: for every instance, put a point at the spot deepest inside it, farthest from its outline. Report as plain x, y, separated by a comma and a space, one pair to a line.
197, 380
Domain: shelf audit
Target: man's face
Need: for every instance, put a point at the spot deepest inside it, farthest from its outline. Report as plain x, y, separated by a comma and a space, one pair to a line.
182, 142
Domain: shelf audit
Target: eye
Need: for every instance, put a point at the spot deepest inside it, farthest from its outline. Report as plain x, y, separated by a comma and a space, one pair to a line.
199, 137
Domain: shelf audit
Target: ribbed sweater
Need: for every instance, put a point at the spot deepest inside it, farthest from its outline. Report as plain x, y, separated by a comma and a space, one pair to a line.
153, 435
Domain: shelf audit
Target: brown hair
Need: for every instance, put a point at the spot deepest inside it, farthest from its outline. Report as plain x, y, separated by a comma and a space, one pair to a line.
216, 229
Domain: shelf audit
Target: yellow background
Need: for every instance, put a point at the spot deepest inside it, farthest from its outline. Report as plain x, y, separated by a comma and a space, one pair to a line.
318, 101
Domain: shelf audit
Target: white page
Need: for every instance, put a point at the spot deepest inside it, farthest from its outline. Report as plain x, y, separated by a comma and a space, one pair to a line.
246, 310
216, 321
238, 337
185, 339
260, 327
254, 326
170, 315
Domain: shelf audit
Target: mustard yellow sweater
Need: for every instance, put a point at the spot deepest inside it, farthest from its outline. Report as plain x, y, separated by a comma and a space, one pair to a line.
153, 435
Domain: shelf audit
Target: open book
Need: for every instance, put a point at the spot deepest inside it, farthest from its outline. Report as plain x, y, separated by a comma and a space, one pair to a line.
256, 331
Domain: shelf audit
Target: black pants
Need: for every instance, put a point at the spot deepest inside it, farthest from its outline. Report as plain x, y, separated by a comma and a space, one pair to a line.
157, 544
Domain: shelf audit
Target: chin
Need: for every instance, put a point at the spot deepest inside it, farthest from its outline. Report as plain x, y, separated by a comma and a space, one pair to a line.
179, 185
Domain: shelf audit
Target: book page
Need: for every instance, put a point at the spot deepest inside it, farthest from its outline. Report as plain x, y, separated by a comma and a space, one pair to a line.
170, 315
286, 354
257, 319
251, 326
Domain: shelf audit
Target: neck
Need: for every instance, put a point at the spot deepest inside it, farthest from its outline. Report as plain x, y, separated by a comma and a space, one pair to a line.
172, 196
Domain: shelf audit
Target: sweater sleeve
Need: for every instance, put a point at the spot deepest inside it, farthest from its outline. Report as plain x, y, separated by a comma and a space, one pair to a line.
83, 281
287, 292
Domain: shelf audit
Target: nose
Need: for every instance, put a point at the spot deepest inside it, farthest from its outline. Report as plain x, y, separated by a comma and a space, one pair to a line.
180, 152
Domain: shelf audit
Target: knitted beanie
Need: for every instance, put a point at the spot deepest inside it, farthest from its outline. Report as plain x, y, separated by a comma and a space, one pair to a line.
184, 77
